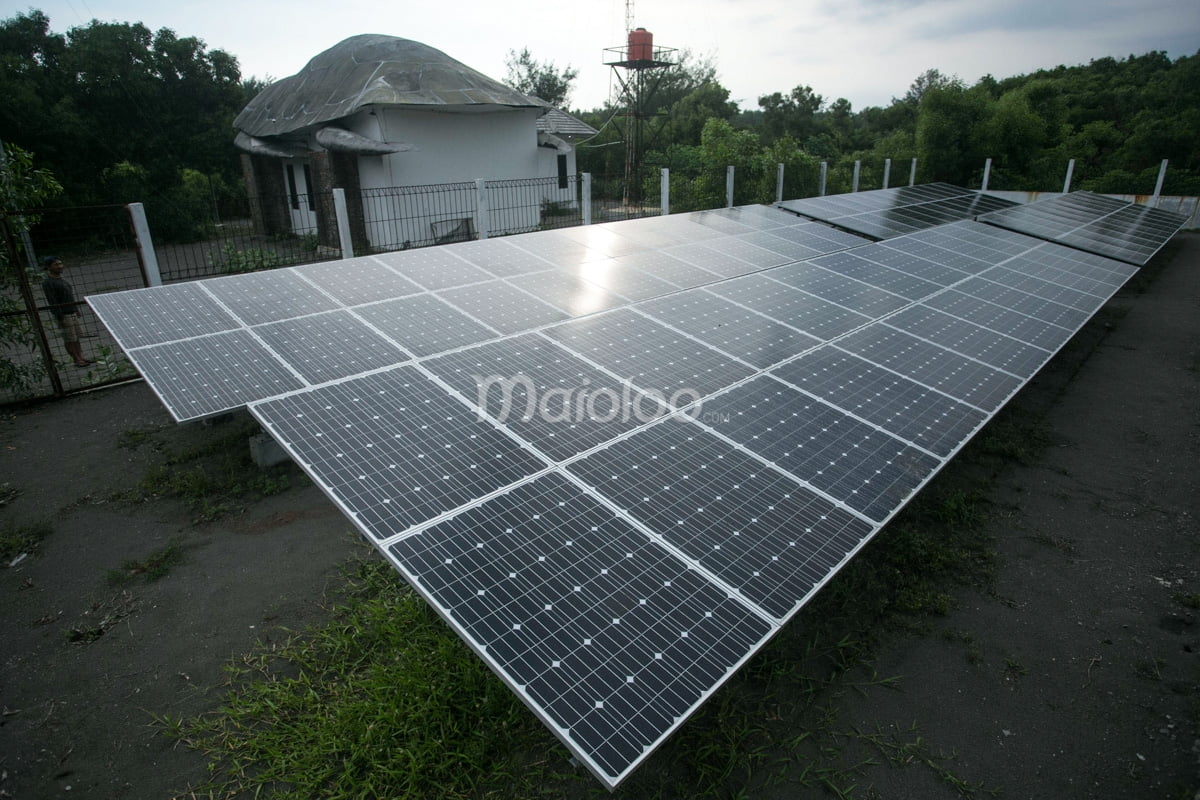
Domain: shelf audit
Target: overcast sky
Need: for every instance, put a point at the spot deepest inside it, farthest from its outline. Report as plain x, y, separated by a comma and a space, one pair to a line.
867, 51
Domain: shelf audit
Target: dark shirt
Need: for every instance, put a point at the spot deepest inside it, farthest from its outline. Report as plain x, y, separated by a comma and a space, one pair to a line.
60, 296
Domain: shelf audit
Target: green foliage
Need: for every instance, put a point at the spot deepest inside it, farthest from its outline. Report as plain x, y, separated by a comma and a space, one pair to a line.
113, 107
539, 79
18, 539
22, 188
232, 260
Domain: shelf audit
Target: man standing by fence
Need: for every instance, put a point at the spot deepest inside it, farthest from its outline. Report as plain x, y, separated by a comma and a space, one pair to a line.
61, 298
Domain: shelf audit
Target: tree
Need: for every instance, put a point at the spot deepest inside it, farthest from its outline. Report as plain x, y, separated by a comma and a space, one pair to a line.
927, 80
22, 187
539, 79
792, 114
110, 93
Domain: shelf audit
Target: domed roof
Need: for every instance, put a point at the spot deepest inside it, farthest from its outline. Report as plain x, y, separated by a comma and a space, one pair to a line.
371, 69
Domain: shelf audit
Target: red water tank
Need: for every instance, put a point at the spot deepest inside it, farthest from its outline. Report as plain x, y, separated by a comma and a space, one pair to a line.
641, 45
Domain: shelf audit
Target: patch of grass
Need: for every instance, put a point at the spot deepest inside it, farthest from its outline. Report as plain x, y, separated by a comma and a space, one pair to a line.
1014, 670
1187, 600
102, 616
148, 569
1014, 438
213, 476
18, 539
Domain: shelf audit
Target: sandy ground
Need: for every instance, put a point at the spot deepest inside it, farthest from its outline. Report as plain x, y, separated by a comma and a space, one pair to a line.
1075, 677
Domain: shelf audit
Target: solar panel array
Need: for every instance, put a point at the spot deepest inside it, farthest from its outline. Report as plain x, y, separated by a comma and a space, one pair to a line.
1095, 223
216, 345
619, 502
886, 213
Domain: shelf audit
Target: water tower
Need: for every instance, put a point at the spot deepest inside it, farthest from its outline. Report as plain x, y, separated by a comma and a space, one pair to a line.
640, 67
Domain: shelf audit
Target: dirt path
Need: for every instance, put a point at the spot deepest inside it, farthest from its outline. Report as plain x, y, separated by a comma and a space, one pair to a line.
1076, 678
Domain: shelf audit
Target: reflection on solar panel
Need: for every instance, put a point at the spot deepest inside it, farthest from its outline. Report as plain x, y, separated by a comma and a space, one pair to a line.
886, 213
1102, 225
617, 501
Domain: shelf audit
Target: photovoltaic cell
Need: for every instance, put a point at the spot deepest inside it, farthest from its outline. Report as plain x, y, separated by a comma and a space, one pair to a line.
757, 530
887, 213
424, 325
612, 638
904, 408
546, 395
394, 449
324, 347
1091, 222
434, 268
870, 471
631, 284
805, 312
500, 258
163, 314
874, 273
358, 280
568, 293
503, 306
841, 289
728, 327
667, 268
971, 381
211, 374
650, 356
998, 350
1000, 319
259, 297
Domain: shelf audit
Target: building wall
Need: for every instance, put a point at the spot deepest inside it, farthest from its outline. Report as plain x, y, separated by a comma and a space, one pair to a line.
448, 147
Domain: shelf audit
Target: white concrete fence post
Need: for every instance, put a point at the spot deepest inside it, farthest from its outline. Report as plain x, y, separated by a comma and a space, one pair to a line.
824, 174
481, 208
664, 191
857, 172
987, 173
343, 223
912, 173
586, 198
887, 171
779, 183
1070, 172
145, 245
729, 186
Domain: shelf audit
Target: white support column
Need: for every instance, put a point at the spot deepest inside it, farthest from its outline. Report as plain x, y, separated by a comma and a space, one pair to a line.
987, 173
586, 199
912, 173
145, 245
343, 223
1162, 176
1070, 172
824, 174
887, 171
857, 172
779, 183
729, 186
481, 208
664, 191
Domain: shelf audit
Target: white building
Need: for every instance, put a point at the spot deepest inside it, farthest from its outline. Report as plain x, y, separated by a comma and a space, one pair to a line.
379, 115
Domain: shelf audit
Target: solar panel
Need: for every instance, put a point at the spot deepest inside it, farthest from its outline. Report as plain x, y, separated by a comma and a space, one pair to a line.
616, 472
608, 633
1102, 225
209, 374
168, 313
393, 449
887, 213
